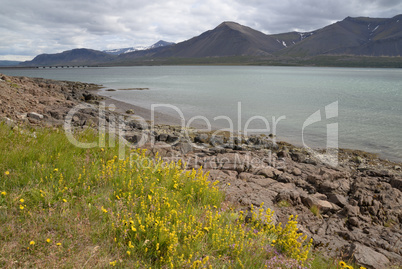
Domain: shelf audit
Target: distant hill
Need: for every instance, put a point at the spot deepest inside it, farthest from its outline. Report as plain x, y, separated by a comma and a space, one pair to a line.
351, 37
158, 44
71, 57
228, 39
9, 63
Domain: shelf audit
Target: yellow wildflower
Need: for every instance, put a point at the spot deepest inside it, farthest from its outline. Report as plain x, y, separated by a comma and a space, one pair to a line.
22, 200
342, 264
3, 193
7, 173
128, 253
58, 244
56, 170
21, 207
48, 240
32, 243
64, 200
113, 263
104, 210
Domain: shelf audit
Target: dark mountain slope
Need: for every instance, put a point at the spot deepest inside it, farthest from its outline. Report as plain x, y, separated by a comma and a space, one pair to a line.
140, 53
71, 57
228, 39
291, 38
359, 36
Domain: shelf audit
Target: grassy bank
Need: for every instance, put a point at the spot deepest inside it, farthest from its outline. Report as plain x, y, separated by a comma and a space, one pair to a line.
319, 61
64, 206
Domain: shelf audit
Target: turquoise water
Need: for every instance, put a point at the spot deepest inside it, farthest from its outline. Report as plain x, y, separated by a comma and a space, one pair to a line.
369, 100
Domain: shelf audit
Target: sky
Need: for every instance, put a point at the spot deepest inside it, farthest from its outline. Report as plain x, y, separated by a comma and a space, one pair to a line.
29, 28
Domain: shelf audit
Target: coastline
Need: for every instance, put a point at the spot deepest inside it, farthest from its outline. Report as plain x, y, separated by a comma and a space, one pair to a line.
169, 120
146, 113
123, 107
93, 96
351, 208
291, 181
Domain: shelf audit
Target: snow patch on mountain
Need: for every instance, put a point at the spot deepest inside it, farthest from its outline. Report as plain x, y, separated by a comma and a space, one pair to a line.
158, 44
305, 35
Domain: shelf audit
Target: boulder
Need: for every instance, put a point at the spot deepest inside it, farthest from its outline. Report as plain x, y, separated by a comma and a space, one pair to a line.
291, 196
266, 172
253, 140
163, 137
89, 96
296, 171
217, 141
367, 257
396, 183
327, 186
201, 138
35, 115
298, 157
184, 147
263, 182
135, 138
172, 139
55, 113
351, 211
282, 154
337, 199
354, 221
317, 200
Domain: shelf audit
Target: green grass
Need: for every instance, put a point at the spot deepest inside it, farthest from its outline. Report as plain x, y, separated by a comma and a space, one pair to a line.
316, 211
274, 60
283, 203
66, 207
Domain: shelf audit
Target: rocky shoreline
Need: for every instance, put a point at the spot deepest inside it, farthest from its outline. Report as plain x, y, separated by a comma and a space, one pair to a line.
353, 210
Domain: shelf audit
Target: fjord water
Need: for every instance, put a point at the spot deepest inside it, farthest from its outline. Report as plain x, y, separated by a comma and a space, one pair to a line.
369, 100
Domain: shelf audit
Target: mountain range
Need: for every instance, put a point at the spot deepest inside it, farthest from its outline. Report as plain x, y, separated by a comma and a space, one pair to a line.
358, 36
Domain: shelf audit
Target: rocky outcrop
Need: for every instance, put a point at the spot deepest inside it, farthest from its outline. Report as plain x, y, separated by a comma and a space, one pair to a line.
44, 101
353, 210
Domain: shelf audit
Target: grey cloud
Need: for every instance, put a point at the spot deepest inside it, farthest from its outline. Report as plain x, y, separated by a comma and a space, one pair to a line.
33, 27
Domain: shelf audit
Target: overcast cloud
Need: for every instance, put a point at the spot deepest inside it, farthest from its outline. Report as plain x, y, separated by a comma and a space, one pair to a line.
29, 28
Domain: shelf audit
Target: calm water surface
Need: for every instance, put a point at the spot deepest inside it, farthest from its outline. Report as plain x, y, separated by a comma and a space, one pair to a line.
369, 100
